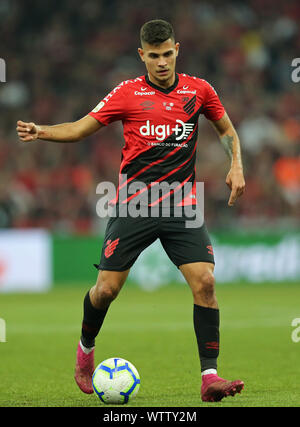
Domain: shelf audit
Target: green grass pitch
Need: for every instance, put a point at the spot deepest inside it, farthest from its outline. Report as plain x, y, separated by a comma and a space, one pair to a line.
155, 332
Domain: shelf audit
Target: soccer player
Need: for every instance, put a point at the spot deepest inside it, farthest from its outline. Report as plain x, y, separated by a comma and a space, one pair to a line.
159, 112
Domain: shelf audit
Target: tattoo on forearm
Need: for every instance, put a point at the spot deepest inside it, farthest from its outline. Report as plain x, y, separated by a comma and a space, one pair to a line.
227, 142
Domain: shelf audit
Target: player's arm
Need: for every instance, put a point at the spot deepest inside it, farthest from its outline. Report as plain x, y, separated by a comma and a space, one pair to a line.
65, 132
230, 141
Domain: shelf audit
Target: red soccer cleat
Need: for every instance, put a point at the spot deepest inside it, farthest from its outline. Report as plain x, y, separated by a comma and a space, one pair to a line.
214, 388
84, 370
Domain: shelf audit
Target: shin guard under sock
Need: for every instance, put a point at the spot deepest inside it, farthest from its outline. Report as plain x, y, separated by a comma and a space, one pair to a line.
206, 325
92, 322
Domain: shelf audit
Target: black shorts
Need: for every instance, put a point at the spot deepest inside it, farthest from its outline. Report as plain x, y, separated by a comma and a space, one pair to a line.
126, 238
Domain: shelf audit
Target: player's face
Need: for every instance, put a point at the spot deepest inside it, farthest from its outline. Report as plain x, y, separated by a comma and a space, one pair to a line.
160, 61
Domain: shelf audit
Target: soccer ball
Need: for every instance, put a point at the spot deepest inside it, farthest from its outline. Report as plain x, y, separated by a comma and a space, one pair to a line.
116, 380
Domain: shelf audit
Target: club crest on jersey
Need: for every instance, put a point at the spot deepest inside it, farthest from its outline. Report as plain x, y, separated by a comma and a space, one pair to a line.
181, 130
189, 107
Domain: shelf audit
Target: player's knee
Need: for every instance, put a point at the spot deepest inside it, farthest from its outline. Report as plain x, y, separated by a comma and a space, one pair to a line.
107, 287
108, 292
205, 284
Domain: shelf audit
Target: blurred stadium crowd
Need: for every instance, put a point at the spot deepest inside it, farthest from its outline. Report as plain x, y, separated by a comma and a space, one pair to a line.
64, 56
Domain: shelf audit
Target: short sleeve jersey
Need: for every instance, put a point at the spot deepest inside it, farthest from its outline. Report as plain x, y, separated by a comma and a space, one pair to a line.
160, 132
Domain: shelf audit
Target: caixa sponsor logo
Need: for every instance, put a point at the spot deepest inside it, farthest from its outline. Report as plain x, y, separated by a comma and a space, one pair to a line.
161, 132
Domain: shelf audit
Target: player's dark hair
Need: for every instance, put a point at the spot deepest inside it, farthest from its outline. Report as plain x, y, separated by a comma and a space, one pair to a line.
156, 32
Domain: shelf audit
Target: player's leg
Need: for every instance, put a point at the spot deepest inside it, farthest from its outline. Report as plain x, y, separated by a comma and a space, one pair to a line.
95, 306
191, 251
97, 301
125, 239
200, 277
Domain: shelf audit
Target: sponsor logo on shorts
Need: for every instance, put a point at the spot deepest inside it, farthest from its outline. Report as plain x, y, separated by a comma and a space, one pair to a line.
210, 249
110, 247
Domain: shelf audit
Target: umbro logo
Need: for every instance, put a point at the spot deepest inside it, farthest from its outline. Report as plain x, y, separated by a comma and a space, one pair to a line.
213, 345
147, 105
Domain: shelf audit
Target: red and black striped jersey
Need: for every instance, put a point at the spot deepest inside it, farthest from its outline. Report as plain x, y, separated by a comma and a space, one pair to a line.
160, 132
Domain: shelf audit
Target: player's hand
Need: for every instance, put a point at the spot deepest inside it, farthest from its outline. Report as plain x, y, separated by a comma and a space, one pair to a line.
236, 182
27, 131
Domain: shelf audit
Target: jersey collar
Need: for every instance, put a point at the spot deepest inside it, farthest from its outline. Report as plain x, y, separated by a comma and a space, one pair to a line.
161, 89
